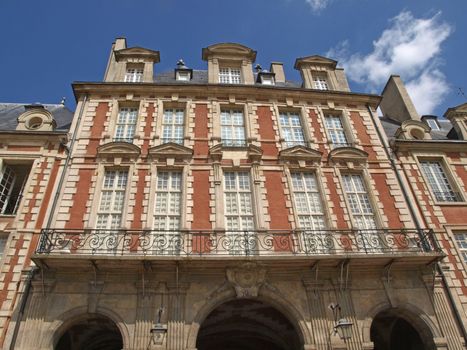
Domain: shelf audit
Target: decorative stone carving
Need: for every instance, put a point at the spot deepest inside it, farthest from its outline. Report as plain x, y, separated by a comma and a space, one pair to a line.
246, 279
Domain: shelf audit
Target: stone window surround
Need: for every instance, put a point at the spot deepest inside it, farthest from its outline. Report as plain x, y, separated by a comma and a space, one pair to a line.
170, 104
452, 230
344, 114
256, 182
450, 174
216, 120
115, 109
98, 185
321, 190
245, 66
154, 169
371, 194
303, 114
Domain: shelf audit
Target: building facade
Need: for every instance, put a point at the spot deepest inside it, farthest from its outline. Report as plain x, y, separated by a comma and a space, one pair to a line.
32, 148
230, 208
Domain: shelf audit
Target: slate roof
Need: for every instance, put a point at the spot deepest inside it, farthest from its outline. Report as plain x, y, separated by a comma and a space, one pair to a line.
9, 113
446, 132
201, 77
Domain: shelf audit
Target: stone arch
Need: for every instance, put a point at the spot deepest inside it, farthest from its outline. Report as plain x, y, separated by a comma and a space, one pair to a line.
266, 295
408, 312
68, 318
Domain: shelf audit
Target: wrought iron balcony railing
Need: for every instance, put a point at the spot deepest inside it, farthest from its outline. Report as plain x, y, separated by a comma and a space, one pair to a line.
239, 243
335, 145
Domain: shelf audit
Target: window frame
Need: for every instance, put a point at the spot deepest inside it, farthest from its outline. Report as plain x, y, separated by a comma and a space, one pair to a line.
4, 162
369, 191
315, 75
229, 74
169, 191
136, 76
320, 191
173, 125
233, 142
126, 124
435, 122
302, 127
99, 197
449, 174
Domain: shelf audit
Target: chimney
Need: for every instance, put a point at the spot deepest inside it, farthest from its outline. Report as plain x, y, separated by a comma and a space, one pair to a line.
110, 71
278, 69
396, 103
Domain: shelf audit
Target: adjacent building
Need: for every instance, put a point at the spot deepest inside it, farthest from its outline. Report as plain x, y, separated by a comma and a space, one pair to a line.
231, 208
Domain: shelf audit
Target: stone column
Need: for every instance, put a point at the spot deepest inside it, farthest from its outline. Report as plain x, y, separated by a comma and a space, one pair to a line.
176, 339
319, 322
145, 313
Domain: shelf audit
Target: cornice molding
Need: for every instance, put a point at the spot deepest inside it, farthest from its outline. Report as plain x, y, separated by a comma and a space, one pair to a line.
299, 152
118, 149
347, 154
429, 145
170, 150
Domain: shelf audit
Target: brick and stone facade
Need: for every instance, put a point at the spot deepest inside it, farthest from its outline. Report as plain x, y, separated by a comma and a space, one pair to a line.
107, 262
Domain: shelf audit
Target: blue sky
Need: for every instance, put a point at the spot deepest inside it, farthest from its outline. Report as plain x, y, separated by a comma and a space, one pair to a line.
47, 44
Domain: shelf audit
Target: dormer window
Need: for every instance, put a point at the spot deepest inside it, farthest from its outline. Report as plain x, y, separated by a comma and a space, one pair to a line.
183, 76
264, 76
267, 80
320, 81
182, 72
134, 74
229, 75
433, 124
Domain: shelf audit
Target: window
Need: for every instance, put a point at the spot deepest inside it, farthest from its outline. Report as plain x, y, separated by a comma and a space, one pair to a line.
13, 179
232, 128
183, 75
433, 124
291, 128
3, 240
126, 124
461, 240
359, 201
438, 181
109, 215
307, 201
238, 208
229, 76
172, 126
267, 80
336, 131
168, 201
320, 81
133, 75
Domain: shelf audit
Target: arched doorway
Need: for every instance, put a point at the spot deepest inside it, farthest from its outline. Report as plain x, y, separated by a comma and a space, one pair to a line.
393, 329
91, 332
245, 324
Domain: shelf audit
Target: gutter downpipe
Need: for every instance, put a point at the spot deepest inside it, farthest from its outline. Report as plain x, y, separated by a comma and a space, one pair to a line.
27, 288
390, 155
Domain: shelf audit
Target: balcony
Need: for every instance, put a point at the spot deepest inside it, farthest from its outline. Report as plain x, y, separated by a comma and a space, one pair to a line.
290, 143
177, 140
234, 143
123, 139
384, 245
448, 196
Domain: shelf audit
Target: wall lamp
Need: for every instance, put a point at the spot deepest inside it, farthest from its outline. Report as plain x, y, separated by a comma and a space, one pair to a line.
342, 326
159, 330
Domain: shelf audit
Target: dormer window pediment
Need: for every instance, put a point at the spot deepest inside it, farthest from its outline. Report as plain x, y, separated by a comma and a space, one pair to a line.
137, 52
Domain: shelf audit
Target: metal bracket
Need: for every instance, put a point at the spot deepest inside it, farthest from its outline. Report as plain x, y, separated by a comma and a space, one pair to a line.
387, 271
95, 268
344, 265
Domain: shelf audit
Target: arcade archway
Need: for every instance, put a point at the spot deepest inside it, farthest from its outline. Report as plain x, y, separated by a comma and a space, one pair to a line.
91, 332
245, 324
394, 329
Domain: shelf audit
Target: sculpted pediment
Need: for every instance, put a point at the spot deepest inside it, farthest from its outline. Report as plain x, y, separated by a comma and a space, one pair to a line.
299, 152
228, 50
118, 149
138, 52
348, 154
170, 150
315, 60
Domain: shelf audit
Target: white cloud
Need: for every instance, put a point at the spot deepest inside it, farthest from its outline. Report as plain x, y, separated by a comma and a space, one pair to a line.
411, 48
318, 5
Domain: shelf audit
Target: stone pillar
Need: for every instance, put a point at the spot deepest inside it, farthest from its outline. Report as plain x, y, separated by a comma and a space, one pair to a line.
145, 313
452, 339
176, 339
320, 324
